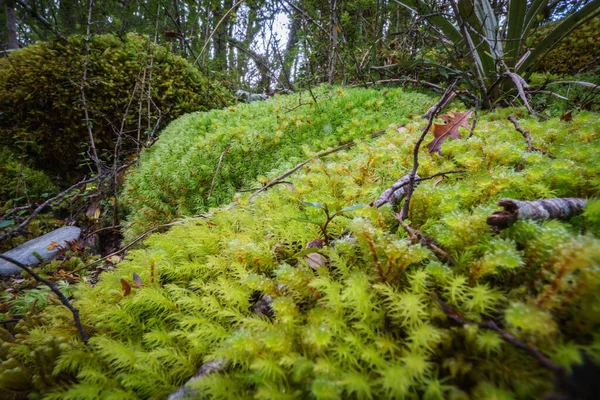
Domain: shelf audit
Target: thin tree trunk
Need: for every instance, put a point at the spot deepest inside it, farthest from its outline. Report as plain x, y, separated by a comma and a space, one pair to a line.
290, 50
11, 25
334, 40
66, 16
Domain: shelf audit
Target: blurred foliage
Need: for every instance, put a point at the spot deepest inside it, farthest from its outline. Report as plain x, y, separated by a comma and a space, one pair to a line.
366, 323
42, 104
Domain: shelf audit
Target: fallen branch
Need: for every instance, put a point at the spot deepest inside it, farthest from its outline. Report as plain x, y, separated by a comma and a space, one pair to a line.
320, 155
56, 291
527, 136
514, 210
453, 316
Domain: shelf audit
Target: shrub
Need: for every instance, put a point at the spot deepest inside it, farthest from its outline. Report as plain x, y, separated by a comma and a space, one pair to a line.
18, 179
41, 102
366, 323
175, 176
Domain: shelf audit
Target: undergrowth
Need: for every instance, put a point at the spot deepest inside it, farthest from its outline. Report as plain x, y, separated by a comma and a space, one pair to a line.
237, 288
176, 175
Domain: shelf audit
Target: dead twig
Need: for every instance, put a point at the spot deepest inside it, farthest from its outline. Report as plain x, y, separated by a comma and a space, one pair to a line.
546, 362
255, 189
320, 155
527, 136
45, 204
86, 61
134, 241
56, 291
413, 173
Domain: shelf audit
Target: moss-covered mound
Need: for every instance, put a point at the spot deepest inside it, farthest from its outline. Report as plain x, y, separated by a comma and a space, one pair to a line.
41, 106
235, 292
573, 52
176, 175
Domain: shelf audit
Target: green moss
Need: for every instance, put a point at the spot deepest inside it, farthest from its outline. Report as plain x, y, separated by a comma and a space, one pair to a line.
175, 176
573, 52
366, 324
41, 105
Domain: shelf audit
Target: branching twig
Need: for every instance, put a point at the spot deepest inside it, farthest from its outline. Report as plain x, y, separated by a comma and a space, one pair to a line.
320, 155
507, 337
411, 185
82, 89
134, 241
56, 291
527, 136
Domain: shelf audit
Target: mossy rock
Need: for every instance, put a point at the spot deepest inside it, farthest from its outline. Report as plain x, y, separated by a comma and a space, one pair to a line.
254, 142
41, 106
235, 288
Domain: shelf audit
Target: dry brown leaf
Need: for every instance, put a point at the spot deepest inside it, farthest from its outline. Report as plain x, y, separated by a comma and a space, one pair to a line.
437, 180
126, 286
449, 129
568, 117
53, 245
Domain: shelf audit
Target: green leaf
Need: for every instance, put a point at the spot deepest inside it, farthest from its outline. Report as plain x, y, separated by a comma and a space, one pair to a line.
315, 204
8, 222
350, 208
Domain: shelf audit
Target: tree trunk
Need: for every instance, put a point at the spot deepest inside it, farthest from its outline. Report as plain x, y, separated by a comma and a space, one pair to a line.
67, 17
333, 43
11, 25
221, 35
290, 50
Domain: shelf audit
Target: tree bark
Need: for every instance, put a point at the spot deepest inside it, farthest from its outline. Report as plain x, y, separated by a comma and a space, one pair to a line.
66, 16
11, 25
290, 50
333, 42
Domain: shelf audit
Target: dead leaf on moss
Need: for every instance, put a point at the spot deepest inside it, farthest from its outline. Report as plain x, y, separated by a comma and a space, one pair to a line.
126, 286
449, 129
568, 117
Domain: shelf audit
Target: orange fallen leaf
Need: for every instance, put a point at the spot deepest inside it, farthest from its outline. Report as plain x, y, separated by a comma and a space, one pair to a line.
449, 129
126, 286
53, 245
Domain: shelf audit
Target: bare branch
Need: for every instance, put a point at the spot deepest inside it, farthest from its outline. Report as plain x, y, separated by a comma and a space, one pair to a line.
56, 290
